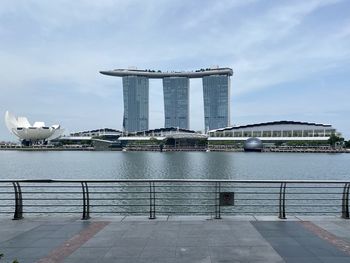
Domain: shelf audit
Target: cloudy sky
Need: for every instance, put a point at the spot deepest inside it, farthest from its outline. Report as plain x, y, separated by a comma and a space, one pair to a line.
291, 59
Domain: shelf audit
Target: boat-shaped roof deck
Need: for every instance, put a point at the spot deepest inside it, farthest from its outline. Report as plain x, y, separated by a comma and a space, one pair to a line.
153, 74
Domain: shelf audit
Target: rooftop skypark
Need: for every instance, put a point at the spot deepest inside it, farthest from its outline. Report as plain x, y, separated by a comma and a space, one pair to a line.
158, 74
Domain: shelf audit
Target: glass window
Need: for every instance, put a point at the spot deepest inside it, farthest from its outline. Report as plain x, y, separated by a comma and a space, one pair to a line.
297, 133
308, 133
247, 134
276, 134
287, 133
329, 132
319, 133
266, 133
256, 133
237, 134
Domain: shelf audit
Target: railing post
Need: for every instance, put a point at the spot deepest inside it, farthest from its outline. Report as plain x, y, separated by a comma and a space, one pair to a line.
86, 201
18, 201
345, 201
152, 200
217, 201
282, 201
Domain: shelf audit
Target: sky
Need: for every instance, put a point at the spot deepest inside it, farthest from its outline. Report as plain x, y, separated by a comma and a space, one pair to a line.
291, 59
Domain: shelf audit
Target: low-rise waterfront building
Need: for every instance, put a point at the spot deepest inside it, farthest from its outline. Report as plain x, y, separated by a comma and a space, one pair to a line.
98, 133
87, 137
276, 132
164, 136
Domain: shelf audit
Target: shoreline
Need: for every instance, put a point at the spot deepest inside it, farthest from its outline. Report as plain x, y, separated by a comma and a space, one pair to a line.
178, 149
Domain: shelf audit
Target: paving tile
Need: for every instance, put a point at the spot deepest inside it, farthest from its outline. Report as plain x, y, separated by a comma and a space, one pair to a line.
227, 260
87, 253
158, 252
100, 242
264, 254
48, 227
311, 241
229, 252
251, 241
188, 218
144, 218
156, 260
192, 242
30, 252
192, 252
107, 218
282, 241
329, 251
116, 252
293, 251
334, 259
131, 242
238, 218
113, 234
161, 242
165, 233
275, 218
48, 243
117, 259
78, 260
302, 260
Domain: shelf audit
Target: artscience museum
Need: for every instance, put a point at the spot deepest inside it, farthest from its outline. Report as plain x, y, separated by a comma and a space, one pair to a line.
38, 133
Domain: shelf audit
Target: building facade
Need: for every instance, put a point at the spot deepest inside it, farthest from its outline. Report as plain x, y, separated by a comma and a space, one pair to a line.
216, 96
277, 131
136, 103
216, 88
176, 102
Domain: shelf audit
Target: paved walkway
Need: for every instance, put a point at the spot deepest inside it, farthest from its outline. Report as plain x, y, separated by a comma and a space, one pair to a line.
175, 239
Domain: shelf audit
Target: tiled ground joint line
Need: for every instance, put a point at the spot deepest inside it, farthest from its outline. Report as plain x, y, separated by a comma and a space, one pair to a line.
325, 235
67, 248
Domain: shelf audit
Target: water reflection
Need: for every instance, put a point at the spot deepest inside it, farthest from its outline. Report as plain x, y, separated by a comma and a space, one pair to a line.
176, 165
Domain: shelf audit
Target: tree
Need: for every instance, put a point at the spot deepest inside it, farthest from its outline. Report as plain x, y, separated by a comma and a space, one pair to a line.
334, 139
347, 144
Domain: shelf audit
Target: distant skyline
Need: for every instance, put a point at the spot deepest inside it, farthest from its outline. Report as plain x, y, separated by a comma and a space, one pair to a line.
291, 59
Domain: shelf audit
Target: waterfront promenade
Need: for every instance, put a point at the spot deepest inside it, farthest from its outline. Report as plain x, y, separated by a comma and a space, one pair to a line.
175, 239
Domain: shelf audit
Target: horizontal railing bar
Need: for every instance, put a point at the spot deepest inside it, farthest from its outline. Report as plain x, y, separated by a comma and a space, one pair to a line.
143, 192
120, 199
171, 212
111, 199
287, 199
171, 180
177, 205
223, 187
287, 193
175, 192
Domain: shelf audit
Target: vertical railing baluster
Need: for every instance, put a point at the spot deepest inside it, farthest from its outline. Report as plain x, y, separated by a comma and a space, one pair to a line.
86, 201
18, 214
345, 201
217, 200
282, 201
152, 200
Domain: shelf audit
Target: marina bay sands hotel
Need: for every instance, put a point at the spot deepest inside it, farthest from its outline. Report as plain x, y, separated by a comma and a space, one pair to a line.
216, 95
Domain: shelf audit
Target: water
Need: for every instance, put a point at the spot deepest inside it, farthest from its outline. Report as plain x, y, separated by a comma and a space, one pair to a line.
174, 165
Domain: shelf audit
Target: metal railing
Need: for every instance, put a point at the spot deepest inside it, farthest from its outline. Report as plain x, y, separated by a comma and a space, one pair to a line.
174, 197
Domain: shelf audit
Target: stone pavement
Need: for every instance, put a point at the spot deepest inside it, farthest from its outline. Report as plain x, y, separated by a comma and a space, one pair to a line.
175, 239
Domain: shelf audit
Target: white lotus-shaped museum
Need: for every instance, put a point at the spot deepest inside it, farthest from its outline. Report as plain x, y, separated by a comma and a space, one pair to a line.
21, 127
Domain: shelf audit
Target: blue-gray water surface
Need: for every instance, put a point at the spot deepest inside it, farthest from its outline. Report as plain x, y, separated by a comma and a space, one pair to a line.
175, 165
